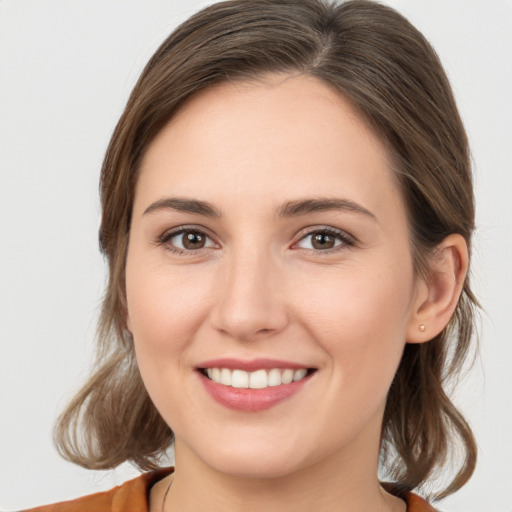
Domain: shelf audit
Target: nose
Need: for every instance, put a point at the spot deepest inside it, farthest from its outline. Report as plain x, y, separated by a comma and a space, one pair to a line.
250, 302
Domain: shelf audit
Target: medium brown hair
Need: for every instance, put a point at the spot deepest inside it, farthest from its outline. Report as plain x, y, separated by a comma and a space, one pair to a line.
377, 60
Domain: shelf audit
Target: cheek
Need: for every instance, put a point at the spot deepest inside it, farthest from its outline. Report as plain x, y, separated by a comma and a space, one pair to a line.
164, 309
360, 318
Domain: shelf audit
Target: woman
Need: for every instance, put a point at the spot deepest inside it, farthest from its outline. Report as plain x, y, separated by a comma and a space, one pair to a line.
287, 216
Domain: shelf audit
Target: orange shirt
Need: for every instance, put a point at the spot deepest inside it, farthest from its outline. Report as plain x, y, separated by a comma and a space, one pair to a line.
133, 496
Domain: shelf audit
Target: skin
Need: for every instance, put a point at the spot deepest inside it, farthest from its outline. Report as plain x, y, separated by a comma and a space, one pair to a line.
260, 288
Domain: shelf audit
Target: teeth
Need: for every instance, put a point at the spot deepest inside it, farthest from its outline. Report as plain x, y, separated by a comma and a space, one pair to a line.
299, 374
225, 377
274, 377
239, 379
259, 379
287, 376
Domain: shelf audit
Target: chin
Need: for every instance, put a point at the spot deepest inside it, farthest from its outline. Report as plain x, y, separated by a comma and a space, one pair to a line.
256, 466
250, 458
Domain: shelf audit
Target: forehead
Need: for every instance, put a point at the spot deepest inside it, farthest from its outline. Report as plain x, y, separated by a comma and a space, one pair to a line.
262, 140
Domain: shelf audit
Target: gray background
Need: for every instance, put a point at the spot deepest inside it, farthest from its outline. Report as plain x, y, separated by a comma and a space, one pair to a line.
66, 69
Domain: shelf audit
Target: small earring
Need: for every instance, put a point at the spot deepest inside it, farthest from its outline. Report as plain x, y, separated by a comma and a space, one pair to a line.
422, 327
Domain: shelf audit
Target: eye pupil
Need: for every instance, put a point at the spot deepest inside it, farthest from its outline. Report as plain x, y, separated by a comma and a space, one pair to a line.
323, 241
193, 240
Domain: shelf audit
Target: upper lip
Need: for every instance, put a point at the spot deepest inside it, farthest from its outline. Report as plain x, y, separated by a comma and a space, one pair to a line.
250, 365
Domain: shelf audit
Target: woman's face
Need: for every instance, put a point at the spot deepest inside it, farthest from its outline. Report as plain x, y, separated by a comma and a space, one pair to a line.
269, 242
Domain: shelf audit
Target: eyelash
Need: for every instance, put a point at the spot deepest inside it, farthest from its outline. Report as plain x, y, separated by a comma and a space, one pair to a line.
347, 241
166, 237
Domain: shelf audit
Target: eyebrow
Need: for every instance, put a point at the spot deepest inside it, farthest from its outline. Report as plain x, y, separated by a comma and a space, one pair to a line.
289, 209
322, 204
184, 205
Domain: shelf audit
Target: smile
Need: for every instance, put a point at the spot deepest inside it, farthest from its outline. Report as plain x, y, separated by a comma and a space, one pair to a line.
255, 385
259, 379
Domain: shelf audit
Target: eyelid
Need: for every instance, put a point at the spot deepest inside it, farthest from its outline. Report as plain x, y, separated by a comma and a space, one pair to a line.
347, 239
167, 235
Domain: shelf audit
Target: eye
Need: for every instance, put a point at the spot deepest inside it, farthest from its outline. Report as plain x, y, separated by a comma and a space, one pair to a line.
325, 240
186, 240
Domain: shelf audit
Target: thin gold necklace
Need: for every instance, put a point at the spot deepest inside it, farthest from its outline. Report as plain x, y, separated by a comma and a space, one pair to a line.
166, 493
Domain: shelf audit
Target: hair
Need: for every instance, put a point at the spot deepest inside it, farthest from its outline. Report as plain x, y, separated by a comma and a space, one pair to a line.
393, 78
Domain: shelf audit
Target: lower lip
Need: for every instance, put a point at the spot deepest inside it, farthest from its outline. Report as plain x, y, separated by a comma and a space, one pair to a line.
251, 400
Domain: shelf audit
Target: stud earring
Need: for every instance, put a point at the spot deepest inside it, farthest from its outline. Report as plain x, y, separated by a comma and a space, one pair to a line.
422, 327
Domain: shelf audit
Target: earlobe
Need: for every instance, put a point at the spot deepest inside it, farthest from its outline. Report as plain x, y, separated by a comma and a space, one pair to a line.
438, 294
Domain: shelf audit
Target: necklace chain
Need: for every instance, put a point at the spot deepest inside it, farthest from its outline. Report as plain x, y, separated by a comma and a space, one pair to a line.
166, 493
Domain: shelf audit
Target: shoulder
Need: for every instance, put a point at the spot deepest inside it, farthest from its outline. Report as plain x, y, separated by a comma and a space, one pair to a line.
131, 496
417, 504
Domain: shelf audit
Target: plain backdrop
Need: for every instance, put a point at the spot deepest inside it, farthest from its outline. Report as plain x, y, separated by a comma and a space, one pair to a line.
66, 69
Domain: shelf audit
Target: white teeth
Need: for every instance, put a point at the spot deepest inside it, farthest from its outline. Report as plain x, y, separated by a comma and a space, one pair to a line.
258, 379
225, 377
287, 376
299, 374
274, 377
239, 379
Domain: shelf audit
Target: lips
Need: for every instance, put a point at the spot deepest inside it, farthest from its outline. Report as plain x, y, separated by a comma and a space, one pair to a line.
252, 385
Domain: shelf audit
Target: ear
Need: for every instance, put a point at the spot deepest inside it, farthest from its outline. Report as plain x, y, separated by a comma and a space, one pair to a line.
437, 295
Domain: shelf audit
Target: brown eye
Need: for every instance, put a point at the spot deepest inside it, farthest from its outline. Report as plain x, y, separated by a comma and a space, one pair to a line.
187, 240
193, 240
325, 240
